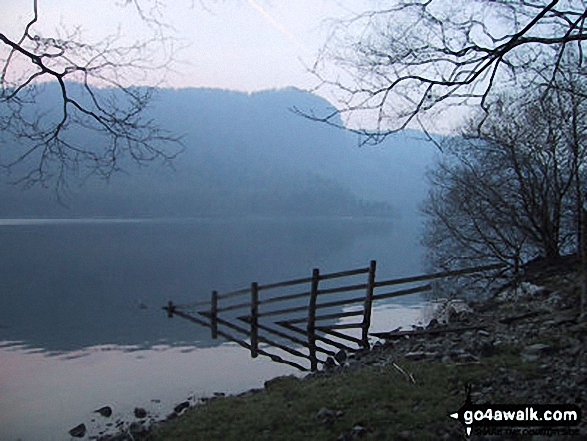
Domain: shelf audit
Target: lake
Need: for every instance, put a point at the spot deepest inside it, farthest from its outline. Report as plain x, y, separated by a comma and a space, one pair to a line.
81, 324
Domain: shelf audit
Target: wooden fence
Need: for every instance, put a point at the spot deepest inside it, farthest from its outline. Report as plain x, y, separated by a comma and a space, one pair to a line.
300, 335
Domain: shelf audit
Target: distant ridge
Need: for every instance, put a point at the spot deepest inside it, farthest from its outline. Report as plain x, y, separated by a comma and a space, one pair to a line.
246, 154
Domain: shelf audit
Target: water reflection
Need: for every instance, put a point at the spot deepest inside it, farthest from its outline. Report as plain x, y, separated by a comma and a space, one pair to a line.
69, 285
48, 392
42, 397
75, 333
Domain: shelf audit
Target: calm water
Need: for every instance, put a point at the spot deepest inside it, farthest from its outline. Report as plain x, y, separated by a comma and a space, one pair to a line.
81, 323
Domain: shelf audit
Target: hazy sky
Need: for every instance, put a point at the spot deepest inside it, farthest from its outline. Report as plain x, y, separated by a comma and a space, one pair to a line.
243, 45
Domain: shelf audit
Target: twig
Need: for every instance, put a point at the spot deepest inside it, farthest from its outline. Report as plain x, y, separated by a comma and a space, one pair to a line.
408, 375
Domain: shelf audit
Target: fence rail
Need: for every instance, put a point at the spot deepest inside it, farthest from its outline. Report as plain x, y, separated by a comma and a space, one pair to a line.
319, 335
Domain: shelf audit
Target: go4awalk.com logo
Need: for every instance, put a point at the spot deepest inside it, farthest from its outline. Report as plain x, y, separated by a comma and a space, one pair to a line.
518, 417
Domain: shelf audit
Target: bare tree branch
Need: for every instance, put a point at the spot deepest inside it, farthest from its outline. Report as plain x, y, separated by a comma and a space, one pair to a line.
509, 191
92, 81
418, 56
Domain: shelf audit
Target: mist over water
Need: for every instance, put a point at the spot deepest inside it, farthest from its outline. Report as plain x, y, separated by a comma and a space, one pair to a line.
68, 285
258, 195
79, 295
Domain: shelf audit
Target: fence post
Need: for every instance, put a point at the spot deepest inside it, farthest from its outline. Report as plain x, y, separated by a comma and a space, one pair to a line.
170, 309
254, 319
311, 330
368, 304
214, 315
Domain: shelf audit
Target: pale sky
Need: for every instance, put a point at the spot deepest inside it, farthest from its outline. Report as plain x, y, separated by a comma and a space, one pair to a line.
244, 45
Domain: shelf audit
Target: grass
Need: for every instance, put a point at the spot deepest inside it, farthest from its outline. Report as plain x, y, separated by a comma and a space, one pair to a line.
379, 399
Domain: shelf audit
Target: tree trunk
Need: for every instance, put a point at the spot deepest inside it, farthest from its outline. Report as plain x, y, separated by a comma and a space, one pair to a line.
582, 249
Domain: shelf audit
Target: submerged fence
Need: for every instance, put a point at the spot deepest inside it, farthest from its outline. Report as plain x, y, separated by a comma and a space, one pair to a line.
300, 322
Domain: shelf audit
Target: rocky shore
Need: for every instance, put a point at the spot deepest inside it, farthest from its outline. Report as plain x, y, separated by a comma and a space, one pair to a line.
535, 324
540, 322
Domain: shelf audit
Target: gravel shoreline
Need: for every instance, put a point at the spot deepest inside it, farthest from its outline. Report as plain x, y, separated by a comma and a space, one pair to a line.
538, 321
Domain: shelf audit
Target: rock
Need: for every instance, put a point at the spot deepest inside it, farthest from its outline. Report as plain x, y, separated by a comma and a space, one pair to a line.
418, 355
325, 414
329, 364
340, 356
140, 412
78, 431
250, 392
538, 348
328, 416
554, 298
277, 381
432, 324
105, 411
524, 291
181, 406
446, 311
358, 430
533, 352
467, 358
219, 394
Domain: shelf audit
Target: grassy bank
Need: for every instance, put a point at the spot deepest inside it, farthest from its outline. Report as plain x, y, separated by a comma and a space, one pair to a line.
371, 402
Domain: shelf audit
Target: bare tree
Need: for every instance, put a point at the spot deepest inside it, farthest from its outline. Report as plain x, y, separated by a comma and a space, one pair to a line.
403, 63
89, 87
508, 191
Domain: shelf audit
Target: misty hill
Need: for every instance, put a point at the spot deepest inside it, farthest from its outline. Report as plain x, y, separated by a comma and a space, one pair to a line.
246, 154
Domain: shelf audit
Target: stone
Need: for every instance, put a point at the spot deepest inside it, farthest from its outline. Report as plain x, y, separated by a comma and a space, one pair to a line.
329, 364
561, 379
533, 352
139, 412
105, 411
524, 291
538, 348
418, 355
358, 430
467, 358
325, 414
432, 324
341, 356
78, 431
275, 382
181, 406
250, 392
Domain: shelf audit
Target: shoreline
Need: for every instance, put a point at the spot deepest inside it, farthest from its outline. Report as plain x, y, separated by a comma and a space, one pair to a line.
525, 348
